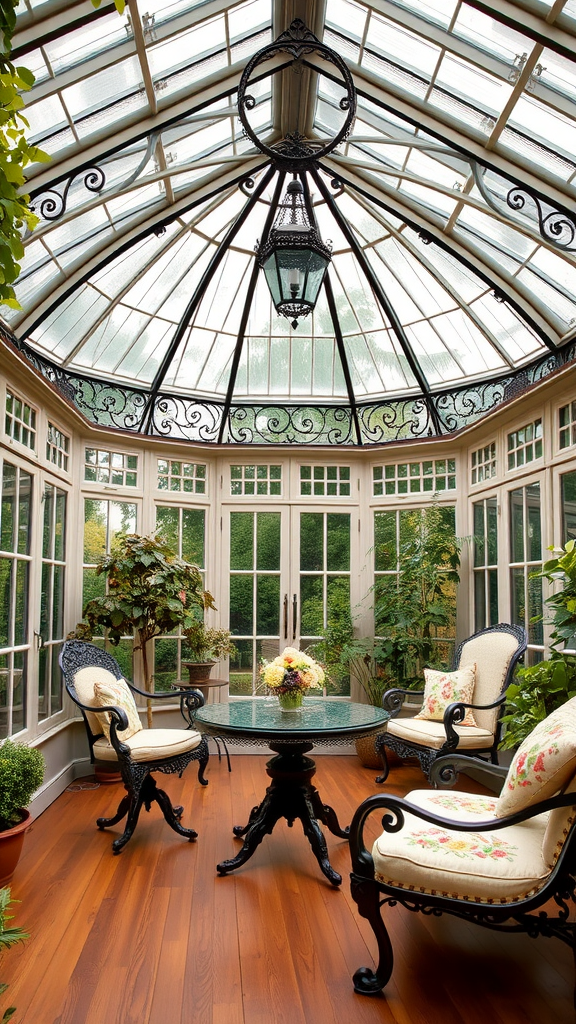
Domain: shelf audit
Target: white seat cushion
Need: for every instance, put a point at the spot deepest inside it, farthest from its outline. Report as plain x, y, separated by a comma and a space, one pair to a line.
151, 744
427, 733
488, 866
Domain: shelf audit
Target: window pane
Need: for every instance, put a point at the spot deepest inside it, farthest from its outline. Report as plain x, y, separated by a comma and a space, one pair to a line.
268, 541
311, 604
241, 614
167, 522
268, 605
311, 541
385, 554
193, 536
338, 542
5, 599
95, 519
492, 530
24, 513
534, 528
242, 541
568, 489
517, 525
8, 521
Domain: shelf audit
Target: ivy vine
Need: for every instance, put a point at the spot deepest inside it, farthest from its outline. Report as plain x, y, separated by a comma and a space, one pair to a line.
15, 154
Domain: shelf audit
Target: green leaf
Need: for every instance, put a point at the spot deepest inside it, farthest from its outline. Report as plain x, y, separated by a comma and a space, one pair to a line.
26, 76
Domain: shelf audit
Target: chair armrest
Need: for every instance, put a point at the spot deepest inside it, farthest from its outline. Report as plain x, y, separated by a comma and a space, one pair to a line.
397, 807
171, 693
393, 699
117, 713
455, 714
445, 770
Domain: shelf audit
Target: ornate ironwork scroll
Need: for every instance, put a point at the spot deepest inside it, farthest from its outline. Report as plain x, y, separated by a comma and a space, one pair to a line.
298, 42
51, 204
558, 227
186, 418
394, 420
307, 424
191, 419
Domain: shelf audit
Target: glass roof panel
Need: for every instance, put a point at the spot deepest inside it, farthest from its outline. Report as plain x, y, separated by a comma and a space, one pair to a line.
156, 110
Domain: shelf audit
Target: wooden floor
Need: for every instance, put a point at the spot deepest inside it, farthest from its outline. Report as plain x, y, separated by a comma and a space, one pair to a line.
154, 936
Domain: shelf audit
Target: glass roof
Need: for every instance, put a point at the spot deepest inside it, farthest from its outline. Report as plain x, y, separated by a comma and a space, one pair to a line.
448, 208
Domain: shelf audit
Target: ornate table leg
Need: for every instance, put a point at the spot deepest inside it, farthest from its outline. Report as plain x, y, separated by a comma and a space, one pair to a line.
290, 795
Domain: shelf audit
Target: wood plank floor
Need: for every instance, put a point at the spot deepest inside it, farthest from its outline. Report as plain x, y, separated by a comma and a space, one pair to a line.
154, 936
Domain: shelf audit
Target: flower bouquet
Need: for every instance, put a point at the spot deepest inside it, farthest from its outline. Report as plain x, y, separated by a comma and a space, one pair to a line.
290, 676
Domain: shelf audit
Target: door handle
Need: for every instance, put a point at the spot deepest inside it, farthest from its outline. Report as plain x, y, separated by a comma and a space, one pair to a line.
294, 615
285, 616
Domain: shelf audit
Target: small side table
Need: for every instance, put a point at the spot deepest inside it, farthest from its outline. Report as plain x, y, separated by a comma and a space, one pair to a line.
187, 711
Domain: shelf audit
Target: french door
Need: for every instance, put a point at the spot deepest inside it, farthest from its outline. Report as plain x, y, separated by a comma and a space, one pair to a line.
289, 571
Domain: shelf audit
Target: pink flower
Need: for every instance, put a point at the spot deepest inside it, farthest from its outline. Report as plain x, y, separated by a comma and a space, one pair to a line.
498, 853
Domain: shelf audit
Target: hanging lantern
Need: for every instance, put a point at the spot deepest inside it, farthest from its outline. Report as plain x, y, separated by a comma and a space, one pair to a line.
294, 257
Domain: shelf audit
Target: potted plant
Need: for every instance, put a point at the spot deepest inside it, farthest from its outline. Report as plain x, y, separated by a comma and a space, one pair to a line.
21, 773
151, 592
206, 646
9, 936
539, 689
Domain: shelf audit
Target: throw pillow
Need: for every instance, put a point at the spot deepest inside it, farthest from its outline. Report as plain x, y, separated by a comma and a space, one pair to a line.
118, 694
444, 688
543, 764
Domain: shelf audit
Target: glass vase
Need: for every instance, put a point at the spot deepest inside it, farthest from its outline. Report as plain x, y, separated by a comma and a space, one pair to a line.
290, 702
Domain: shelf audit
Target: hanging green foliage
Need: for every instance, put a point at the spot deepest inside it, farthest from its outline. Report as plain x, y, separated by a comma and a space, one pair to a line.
15, 154
118, 4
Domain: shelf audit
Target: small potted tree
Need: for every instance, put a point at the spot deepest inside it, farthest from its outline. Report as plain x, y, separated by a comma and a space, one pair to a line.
206, 646
21, 773
151, 592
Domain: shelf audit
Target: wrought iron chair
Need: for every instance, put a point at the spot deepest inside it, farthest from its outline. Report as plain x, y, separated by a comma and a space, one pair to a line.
493, 871
89, 674
495, 652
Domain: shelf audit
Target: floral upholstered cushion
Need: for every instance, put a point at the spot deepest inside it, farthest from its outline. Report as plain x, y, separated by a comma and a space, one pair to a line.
486, 865
543, 764
117, 693
444, 688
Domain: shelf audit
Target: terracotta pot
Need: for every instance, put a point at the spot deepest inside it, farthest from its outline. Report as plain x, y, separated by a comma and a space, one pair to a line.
106, 772
198, 671
11, 842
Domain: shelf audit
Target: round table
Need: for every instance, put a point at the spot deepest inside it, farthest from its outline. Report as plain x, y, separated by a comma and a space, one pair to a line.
291, 735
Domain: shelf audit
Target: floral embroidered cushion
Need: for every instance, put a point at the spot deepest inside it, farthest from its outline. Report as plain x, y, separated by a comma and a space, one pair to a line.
543, 764
444, 688
119, 695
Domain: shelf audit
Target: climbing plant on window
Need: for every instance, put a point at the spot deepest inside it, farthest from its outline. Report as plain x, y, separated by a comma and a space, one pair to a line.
15, 154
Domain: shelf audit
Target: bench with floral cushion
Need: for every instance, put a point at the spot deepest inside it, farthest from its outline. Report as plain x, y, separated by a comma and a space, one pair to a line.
95, 683
494, 860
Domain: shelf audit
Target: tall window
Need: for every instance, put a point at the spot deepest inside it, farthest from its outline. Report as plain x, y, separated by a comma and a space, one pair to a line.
525, 558
103, 519
254, 594
52, 606
183, 529
485, 563
15, 533
401, 554
324, 576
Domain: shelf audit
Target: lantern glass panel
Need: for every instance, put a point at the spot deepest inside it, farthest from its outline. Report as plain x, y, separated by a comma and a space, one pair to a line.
316, 269
273, 278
